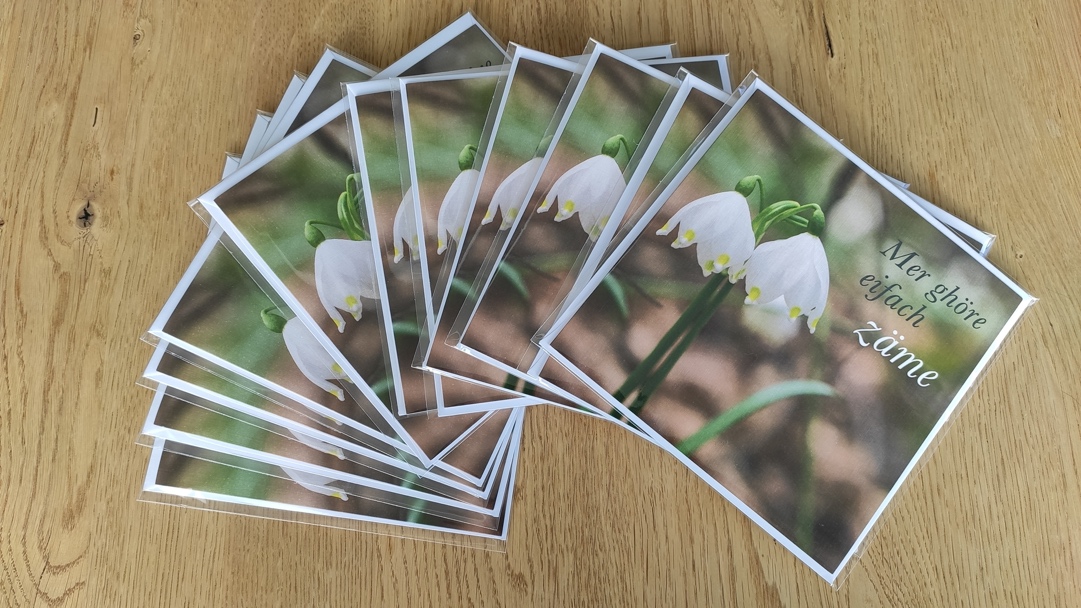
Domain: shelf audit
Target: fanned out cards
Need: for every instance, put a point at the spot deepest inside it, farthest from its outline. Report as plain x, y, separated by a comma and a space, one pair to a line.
402, 261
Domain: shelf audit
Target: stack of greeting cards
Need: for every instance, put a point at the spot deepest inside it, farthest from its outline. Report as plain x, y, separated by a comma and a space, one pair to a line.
403, 260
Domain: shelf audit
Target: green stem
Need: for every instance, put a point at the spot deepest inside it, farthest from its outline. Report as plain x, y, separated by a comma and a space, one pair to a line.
746, 187
761, 192
510, 382
805, 505
349, 218
754, 403
767, 216
612, 144
788, 211
352, 188
657, 378
669, 338
416, 512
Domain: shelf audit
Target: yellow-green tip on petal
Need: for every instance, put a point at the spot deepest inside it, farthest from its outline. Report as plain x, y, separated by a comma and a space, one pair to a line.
339, 324
814, 324
337, 369
709, 266
545, 204
794, 312
487, 216
351, 301
723, 259
754, 294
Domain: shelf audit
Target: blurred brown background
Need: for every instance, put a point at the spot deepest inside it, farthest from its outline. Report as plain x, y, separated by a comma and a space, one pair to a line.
114, 113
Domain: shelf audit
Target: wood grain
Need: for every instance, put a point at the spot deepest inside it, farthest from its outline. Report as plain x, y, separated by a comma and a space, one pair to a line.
113, 113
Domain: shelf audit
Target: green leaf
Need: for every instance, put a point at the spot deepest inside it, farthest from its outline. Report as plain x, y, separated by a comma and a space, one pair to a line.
618, 293
461, 286
241, 482
758, 401
382, 387
406, 328
416, 507
514, 277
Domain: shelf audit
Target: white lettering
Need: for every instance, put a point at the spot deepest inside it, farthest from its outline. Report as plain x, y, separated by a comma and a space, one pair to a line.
901, 358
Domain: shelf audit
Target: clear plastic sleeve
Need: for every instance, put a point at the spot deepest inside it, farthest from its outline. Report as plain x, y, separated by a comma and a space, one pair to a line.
859, 327
254, 440
180, 479
608, 113
440, 126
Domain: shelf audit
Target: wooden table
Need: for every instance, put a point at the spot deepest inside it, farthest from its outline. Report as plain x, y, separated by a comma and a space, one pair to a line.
113, 113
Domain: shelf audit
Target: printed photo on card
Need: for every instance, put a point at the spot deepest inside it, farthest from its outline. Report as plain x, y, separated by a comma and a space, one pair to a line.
798, 331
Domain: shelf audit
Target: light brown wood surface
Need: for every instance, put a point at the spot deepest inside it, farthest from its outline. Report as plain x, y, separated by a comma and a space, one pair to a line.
114, 113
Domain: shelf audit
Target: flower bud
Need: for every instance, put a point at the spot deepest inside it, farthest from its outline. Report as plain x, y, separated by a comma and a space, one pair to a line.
313, 235
746, 185
273, 322
611, 146
466, 157
817, 223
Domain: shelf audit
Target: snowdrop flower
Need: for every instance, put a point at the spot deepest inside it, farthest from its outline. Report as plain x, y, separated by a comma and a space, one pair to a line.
795, 269
590, 189
311, 358
770, 321
316, 444
315, 483
511, 193
452, 213
720, 224
405, 228
345, 273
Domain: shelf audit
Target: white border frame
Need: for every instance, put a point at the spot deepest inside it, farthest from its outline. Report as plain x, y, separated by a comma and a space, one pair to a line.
1025, 301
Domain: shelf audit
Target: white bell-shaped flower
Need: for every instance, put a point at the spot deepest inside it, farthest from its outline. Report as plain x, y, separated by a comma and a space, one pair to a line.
510, 195
720, 224
345, 273
312, 359
315, 483
316, 444
405, 228
455, 208
770, 322
591, 189
795, 269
